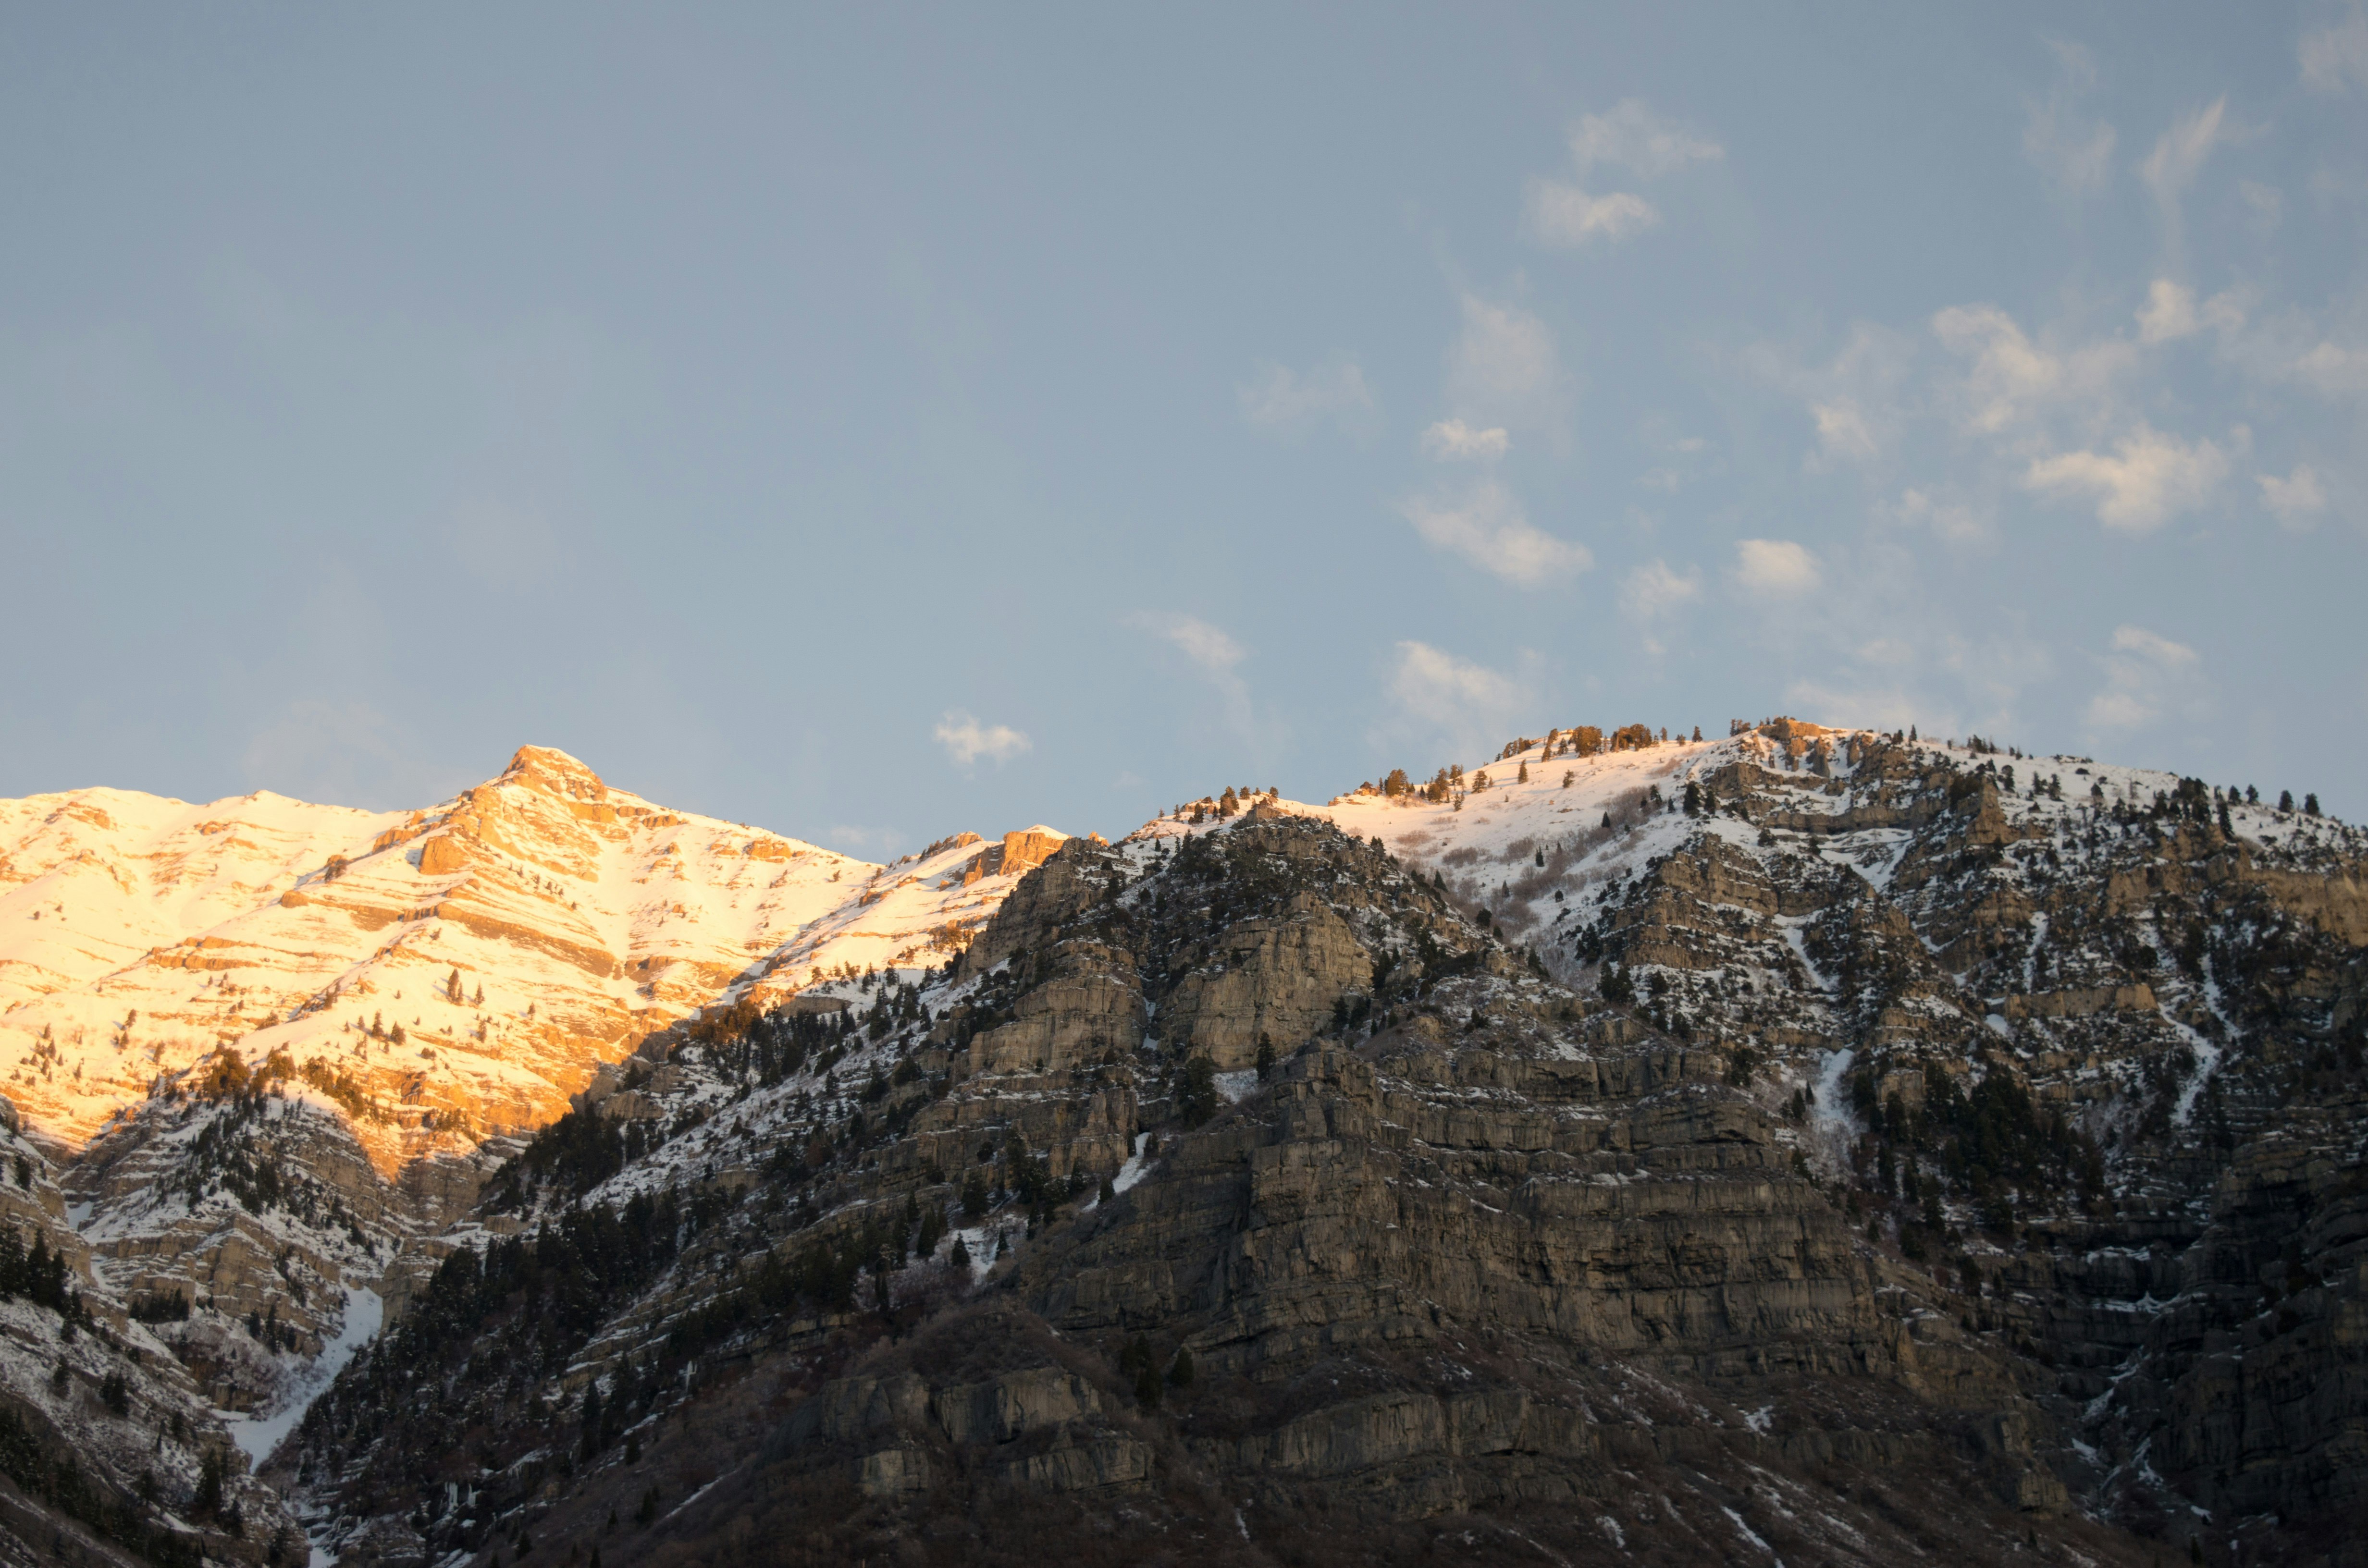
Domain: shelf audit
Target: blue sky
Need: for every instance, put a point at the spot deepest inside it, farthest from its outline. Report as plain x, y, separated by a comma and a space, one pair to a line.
873, 421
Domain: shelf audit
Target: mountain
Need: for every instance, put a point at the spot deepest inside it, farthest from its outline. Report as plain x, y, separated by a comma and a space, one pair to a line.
1808, 1144
257, 1050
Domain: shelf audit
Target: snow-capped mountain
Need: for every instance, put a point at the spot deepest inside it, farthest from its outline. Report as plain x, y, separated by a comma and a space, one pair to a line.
458, 970
1793, 1096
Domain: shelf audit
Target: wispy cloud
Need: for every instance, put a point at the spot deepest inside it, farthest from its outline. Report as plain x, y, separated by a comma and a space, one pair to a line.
1950, 522
1774, 568
1452, 440
1488, 527
2145, 675
2147, 479
1656, 589
1287, 403
1843, 430
1504, 369
1207, 646
2335, 56
966, 740
1555, 213
2075, 152
1218, 657
2334, 369
2011, 378
2296, 499
1634, 138
1452, 700
2179, 154
1631, 137
2171, 313
873, 841
1856, 403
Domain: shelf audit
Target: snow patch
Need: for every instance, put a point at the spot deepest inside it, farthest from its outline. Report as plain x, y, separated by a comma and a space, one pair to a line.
260, 1432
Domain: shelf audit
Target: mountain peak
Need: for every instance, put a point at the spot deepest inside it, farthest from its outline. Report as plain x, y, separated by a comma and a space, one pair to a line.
549, 768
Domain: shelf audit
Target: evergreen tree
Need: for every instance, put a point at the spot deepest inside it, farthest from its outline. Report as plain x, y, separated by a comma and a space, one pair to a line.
209, 1497
1523, 777
2310, 805
1180, 1374
1195, 1100
2285, 800
1265, 1057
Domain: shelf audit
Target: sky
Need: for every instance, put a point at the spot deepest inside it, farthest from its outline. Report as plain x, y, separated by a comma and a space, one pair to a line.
873, 422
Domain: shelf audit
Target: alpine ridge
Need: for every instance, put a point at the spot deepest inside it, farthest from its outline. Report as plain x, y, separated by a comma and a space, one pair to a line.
1807, 1144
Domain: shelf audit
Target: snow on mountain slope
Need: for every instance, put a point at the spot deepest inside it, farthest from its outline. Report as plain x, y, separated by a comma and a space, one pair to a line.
443, 975
1579, 822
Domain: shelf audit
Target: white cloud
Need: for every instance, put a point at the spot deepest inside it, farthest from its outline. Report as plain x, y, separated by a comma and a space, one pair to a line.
1452, 440
2334, 369
1287, 403
1488, 527
2149, 477
1468, 702
1656, 589
1950, 522
1505, 367
1856, 403
2144, 674
1639, 141
1842, 430
877, 841
1204, 644
1217, 656
2179, 152
2334, 54
2168, 313
2076, 153
2171, 313
966, 740
2296, 499
1775, 567
2011, 377
1556, 213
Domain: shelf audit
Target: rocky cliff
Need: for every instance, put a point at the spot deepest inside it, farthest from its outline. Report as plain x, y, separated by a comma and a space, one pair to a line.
1811, 1145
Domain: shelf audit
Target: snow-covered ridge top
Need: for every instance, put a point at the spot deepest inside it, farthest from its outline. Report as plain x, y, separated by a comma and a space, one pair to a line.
516, 935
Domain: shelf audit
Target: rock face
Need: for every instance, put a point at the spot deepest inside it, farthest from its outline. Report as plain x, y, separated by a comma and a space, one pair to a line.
1812, 1146
1481, 1261
1274, 979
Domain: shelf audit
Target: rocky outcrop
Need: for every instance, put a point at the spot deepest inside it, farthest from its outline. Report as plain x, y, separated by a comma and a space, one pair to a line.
1277, 979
